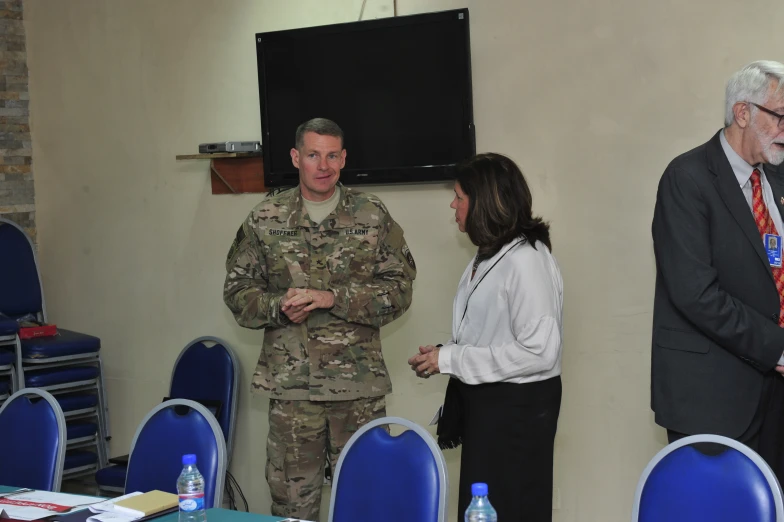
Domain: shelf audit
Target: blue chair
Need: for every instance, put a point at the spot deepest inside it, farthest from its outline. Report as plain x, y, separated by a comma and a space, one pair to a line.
171, 430
9, 346
20, 285
387, 478
682, 484
112, 478
32, 441
7, 368
206, 371
69, 361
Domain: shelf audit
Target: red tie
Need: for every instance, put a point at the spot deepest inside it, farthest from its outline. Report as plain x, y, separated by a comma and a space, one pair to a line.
766, 226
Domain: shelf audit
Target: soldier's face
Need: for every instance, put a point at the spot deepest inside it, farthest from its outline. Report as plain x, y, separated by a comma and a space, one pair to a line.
460, 204
319, 162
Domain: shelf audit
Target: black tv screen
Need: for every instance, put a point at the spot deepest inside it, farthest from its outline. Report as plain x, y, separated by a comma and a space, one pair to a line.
400, 88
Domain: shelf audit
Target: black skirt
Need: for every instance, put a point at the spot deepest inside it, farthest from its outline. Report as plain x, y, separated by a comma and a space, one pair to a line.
507, 432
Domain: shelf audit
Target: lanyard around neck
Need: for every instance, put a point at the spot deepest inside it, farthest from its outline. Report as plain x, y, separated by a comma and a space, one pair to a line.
520, 242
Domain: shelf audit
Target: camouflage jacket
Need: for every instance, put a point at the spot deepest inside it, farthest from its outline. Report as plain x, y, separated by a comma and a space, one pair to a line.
359, 253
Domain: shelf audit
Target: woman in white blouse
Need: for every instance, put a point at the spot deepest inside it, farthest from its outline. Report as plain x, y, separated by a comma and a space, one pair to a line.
504, 357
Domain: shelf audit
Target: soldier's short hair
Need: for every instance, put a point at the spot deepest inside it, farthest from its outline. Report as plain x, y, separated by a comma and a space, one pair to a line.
320, 126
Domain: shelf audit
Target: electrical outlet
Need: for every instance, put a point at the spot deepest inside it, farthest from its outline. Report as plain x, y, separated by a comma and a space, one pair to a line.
556, 498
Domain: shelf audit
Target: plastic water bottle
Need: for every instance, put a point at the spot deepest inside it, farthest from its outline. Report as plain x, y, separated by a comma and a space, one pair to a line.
480, 510
190, 488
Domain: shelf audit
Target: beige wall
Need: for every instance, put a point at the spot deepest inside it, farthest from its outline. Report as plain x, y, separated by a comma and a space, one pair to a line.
592, 98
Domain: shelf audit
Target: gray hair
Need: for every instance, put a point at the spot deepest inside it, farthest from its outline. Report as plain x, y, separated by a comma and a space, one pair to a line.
751, 84
320, 126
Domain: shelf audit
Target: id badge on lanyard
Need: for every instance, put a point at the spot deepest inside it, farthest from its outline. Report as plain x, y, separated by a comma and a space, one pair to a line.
773, 249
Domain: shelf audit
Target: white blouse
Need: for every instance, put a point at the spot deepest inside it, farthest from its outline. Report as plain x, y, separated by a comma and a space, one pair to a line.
511, 330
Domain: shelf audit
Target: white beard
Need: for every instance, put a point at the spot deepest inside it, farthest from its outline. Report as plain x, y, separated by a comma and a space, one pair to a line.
772, 153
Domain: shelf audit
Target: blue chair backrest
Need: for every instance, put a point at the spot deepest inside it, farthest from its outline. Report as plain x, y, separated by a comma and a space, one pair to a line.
32, 441
167, 433
207, 369
386, 478
682, 484
20, 285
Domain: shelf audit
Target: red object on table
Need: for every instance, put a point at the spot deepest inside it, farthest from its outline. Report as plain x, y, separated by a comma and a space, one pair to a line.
57, 508
44, 330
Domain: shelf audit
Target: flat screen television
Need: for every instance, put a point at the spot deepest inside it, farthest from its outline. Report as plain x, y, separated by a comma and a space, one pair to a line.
400, 88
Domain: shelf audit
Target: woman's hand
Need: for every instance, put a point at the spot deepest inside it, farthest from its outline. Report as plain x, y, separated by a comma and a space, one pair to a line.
425, 363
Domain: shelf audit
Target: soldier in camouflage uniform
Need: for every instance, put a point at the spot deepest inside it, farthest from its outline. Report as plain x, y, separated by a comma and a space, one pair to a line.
321, 289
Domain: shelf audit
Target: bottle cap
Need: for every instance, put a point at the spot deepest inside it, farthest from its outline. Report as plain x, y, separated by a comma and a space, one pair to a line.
479, 489
190, 459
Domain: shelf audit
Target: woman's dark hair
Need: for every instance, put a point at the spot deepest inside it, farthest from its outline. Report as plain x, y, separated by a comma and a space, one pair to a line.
499, 204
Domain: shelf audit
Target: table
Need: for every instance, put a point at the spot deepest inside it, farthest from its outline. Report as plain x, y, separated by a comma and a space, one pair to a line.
213, 514
225, 515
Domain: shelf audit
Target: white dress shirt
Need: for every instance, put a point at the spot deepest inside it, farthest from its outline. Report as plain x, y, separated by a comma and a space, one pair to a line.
742, 171
507, 320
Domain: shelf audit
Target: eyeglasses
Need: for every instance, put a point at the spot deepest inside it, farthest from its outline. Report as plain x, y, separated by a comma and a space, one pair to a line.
774, 114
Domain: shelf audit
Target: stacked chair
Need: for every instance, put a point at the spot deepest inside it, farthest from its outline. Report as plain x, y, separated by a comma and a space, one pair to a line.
9, 339
207, 372
67, 365
7, 368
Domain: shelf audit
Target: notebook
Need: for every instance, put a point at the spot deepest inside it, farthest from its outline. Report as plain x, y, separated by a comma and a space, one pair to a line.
147, 504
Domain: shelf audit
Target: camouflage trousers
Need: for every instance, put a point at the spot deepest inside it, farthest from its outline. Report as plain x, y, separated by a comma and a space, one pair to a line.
302, 434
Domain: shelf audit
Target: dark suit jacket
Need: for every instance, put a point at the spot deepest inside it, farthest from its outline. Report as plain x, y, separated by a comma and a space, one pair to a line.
716, 309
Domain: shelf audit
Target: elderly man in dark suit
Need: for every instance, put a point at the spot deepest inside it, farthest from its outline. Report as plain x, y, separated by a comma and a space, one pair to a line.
718, 339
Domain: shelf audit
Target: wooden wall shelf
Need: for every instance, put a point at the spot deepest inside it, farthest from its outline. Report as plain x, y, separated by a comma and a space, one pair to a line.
233, 172
218, 155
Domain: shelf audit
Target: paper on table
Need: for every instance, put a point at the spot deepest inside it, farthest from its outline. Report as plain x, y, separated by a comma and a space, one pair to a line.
106, 511
40, 504
108, 505
112, 516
